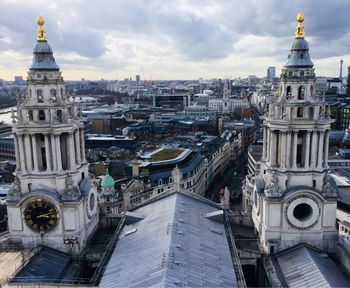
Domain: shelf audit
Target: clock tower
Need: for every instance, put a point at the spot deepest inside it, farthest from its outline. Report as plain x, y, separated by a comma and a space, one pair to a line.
294, 199
52, 201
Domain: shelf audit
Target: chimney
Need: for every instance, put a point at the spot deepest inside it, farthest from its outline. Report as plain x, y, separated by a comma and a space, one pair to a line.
135, 169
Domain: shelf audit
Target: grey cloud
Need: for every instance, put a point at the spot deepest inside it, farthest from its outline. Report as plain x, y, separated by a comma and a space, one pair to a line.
196, 36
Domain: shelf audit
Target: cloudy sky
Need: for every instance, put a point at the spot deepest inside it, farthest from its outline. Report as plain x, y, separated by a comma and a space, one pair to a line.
172, 39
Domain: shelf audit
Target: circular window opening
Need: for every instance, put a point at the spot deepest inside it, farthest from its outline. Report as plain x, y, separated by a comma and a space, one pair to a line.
302, 211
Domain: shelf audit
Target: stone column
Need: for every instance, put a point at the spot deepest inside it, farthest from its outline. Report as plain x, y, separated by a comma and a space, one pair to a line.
272, 148
77, 147
35, 153
283, 150
307, 151
268, 139
326, 148
264, 144
54, 154
28, 152
288, 148
21, 153
295, 145
71, 151
48, 153
314, 146
82, 141
17, 154
58, 153
320, 150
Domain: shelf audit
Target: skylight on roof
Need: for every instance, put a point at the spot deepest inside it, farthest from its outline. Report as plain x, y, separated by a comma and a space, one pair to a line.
130, 231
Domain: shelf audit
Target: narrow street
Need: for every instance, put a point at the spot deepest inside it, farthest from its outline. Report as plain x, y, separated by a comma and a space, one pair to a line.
232, 178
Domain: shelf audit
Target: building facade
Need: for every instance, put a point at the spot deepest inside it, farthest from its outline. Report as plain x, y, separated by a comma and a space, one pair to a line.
293, 199
52, 201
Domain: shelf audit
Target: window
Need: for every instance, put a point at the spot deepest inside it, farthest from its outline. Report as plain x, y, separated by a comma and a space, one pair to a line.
311, 112
30, 115
40, 97
300, 112
53, 95
41, 115
59, 115
301, 73
301, 93
289, 92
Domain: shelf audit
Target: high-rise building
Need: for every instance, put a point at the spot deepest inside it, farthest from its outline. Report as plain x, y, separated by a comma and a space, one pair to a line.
348, 82
271, 72
294, 200
138, 78
52, 201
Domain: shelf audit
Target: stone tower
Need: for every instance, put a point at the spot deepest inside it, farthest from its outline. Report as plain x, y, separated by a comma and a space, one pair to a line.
226, 97
52, 201
293, 199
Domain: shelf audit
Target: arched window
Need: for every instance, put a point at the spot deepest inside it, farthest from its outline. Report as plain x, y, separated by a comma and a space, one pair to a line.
59, 115
301, 93
53, 94
41, 115
312, 91
40, 97
300, 112
30, 115
289, 92
311, 112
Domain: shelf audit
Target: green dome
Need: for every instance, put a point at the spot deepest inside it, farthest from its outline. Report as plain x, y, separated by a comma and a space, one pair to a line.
107, 181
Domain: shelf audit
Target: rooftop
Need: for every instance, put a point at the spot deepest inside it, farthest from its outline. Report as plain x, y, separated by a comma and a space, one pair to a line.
304, 266
165, 154
178, 242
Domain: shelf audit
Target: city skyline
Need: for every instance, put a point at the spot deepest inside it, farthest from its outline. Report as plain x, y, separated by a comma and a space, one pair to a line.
162, 40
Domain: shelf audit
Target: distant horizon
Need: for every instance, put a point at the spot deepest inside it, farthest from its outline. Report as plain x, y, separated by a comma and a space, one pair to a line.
170, 40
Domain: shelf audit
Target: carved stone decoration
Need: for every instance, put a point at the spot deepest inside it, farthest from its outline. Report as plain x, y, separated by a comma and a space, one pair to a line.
329, 187
273, 189
70, 192
15, 190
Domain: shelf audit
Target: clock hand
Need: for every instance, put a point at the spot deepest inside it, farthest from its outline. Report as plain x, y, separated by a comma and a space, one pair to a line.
47, 215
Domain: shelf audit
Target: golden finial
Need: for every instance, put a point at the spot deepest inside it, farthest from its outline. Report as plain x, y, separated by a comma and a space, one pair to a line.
300, 28
41, 31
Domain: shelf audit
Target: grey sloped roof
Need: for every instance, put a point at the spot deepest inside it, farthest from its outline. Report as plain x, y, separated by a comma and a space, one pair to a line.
303, 266
45, 267
174, 245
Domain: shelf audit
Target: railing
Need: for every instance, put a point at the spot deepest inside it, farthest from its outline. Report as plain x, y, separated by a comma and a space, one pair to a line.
107, 254
234, 254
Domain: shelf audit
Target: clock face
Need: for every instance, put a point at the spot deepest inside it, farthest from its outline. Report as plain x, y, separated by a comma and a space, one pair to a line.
41, 216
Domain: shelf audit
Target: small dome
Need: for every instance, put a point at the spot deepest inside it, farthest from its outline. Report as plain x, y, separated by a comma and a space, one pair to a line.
300, 44
299, 55
43, 58
107, 181
42, 47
